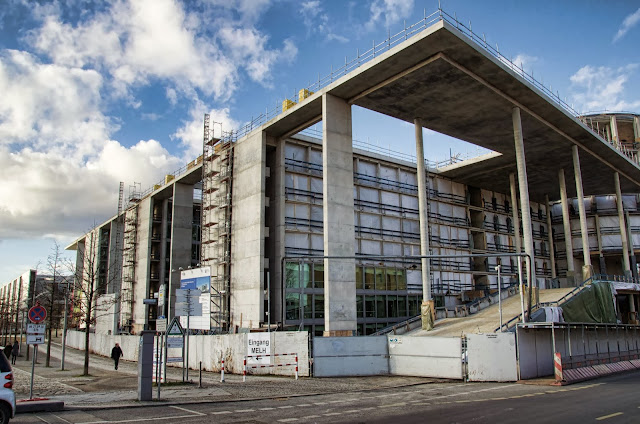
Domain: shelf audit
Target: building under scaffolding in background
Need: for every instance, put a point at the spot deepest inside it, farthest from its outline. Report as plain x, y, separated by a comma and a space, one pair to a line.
265, 206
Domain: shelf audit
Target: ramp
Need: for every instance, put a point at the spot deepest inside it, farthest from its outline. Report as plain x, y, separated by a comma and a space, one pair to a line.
488, 319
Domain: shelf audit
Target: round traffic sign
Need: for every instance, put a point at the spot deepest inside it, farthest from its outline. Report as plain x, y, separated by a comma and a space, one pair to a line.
37, 314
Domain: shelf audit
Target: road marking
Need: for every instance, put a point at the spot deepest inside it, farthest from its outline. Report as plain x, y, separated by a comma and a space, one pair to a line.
310, 416
285, 407
351, 411
61, 419
186, 410
266, 409
139, 420
604, 417
320, 403
331, 414
288, 420
391, 405
305, 404
246, 410
221, 412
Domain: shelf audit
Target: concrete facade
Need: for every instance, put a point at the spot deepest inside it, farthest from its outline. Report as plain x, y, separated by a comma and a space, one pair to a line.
284, 201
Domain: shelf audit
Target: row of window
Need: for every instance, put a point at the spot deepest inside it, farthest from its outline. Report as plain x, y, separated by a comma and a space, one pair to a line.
311, 276
307, 306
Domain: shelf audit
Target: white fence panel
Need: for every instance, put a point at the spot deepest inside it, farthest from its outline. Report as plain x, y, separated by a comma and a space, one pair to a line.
439, 357
492, 357
350, 356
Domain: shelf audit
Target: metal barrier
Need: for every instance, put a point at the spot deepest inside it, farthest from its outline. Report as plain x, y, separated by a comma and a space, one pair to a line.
244, 372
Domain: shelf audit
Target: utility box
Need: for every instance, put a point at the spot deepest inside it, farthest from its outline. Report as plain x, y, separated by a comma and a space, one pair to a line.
145, 366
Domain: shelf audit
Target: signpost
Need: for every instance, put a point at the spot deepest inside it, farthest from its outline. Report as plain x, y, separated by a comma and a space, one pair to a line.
35, 335
175, 339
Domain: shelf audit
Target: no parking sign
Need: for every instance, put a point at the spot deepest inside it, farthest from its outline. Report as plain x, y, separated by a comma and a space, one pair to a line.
37, 314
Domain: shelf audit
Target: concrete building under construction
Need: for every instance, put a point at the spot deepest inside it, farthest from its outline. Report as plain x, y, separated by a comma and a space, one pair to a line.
316, 232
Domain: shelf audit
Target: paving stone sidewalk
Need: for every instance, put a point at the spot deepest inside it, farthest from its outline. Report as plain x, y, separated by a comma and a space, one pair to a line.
108, 388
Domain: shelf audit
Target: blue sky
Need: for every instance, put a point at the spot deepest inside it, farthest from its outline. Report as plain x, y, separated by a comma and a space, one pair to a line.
91, 95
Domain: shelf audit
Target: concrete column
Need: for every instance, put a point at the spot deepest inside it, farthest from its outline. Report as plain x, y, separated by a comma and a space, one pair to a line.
566, 225
626, 266
587, 270
552, 250
636, 128
428, 307
514, 212
339, 232
614, 130
248, 231
601, 262
181, 237
523, 185
608, 132
422, 210
632, 253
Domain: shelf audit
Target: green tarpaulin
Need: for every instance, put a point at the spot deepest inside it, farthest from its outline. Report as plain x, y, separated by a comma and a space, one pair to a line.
593, 304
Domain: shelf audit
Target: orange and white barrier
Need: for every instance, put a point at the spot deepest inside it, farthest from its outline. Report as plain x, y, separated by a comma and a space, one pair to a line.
244, 372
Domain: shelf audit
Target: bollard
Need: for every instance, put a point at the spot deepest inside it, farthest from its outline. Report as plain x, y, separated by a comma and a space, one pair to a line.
200, 377
244, 371
296, 367
222, 372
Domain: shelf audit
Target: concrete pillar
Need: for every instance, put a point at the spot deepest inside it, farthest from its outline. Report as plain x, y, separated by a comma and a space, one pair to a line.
552, 250
248, 231
632, 253
626, 266
587, 269
514, 212
566, 226
614, 130
636, 128
181, 240
523, 185
428, 307
601, 262
608, 132
339, 232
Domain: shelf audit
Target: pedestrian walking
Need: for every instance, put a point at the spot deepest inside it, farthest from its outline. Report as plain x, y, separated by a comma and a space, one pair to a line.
15, 351
116, 353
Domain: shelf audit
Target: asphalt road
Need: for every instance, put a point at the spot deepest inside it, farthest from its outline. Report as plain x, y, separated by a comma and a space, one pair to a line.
609, 400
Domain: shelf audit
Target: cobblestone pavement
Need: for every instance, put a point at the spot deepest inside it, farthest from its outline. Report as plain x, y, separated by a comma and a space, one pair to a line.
106, 387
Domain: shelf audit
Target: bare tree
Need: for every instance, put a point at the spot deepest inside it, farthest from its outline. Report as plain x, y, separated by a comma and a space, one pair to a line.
55, 263
88, 287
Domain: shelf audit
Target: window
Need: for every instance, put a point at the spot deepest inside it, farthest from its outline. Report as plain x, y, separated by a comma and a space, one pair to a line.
293, 306
318, 311
380, 280
369, 278
359, 282
318, 276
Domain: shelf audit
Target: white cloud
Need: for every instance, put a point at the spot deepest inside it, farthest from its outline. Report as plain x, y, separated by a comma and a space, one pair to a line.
50, 106
46, 193
522, 62
629, 22
317, 21
388, 12
603, 88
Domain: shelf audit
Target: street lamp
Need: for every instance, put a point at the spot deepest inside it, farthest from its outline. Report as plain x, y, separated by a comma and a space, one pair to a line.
66, 282
498, 268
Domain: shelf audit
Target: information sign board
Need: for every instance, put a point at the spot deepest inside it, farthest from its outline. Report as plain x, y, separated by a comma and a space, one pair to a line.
36, 328
35, 339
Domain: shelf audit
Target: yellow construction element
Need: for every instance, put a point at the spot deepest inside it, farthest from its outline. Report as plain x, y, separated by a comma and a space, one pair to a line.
191, 164
168, 178
156, 186
304, 93
199, 160
287, 104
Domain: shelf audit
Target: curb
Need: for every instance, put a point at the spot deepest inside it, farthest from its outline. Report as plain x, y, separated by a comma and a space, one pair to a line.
164, 402
44, 405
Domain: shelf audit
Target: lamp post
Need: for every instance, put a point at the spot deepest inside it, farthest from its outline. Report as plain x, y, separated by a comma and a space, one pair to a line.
64, 327
498, 267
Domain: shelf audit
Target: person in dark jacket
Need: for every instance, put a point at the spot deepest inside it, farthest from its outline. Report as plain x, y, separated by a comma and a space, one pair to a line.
14, 352
116, 353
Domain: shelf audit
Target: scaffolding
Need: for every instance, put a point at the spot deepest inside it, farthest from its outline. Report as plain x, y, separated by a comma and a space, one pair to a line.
217, 168
129, 258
